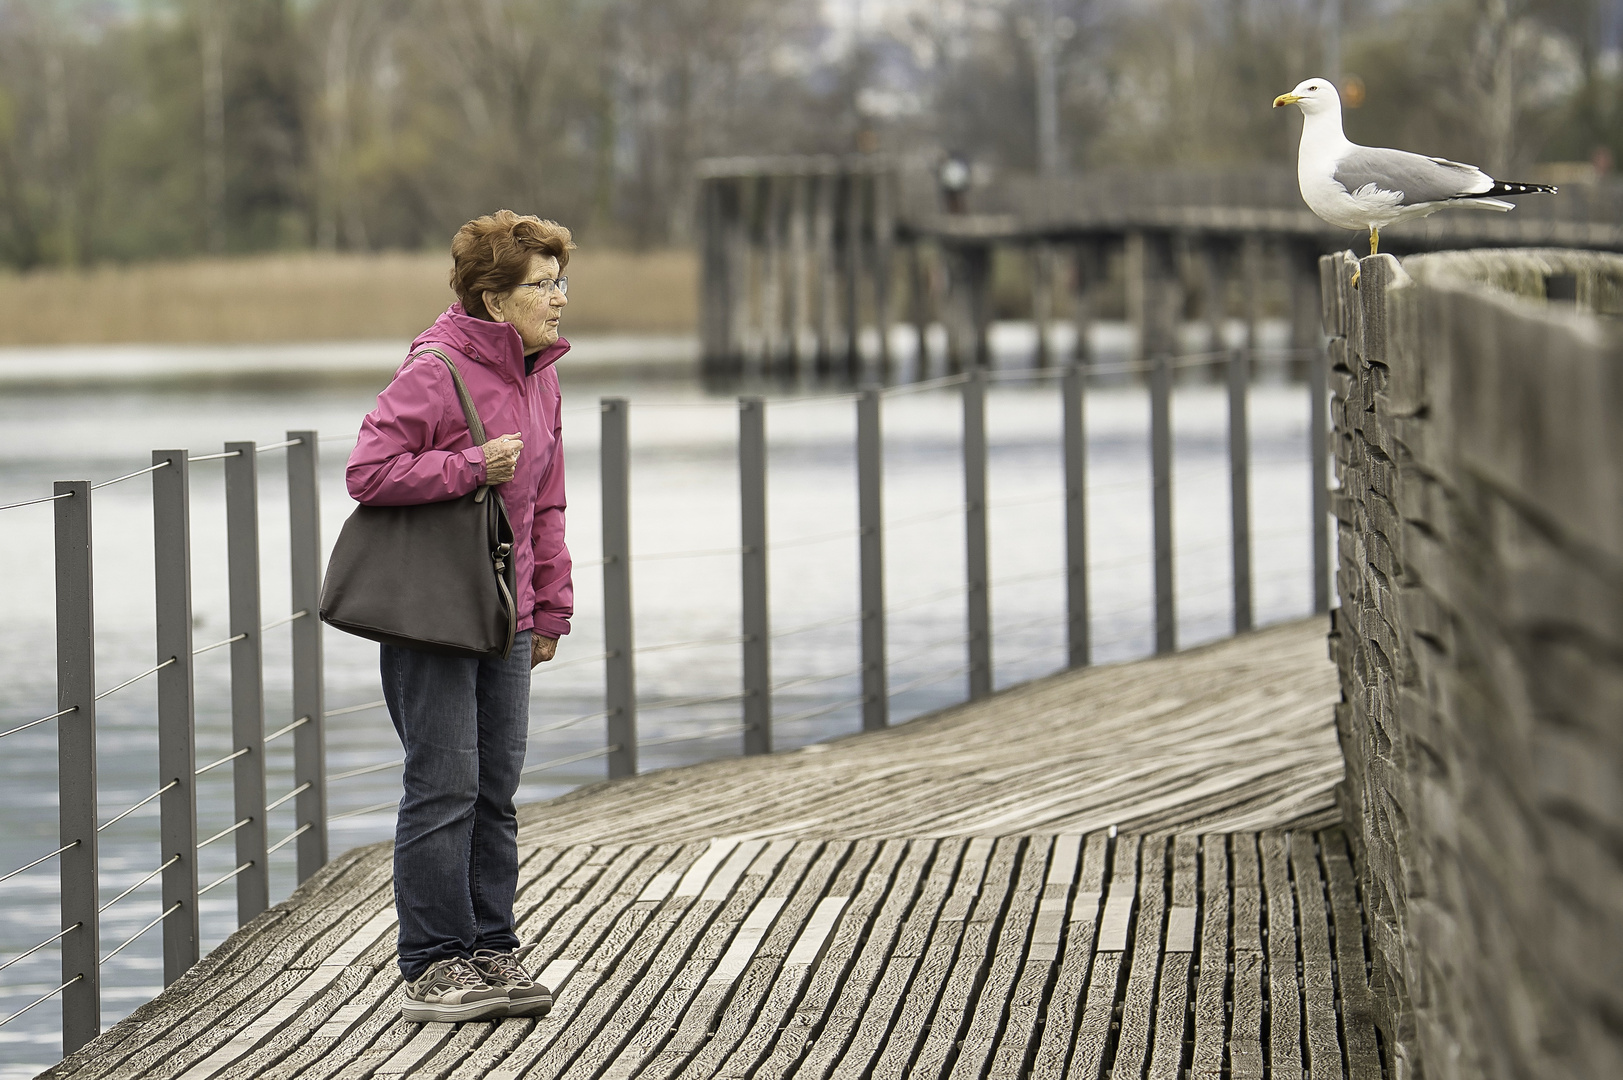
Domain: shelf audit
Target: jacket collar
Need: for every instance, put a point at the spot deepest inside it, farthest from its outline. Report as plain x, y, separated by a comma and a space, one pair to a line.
493, 344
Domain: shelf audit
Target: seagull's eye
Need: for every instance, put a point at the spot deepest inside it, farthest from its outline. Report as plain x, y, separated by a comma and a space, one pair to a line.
1313, 88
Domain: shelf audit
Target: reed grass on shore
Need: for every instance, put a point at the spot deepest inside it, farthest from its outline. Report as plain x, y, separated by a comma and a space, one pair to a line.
318, 297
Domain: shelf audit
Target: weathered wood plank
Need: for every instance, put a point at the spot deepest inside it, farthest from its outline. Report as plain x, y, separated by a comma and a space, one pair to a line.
934, 967
992, 998
1211, 1009
816, 961
1138, 1003
227, 976
585, 942
795, 1054
287, 1003
1065, 1001
788, 1042
215, 1019
1318, 963
1212, 736
1284, 986
1172, 993
1245, 1033
597, 1031
703, 1041
742, 916
1352, 964
953, 1010
1094, 1034
465, 1040
901, 963
750, 951
1015, 1042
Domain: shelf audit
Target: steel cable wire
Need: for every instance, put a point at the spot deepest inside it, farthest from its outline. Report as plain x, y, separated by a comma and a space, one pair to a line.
36, 723
36, 502
820, 625
560, 725
130, 476
557, 763
172, 861
710, 733
168, 911
295, 834
138, 678
222, 880
671, 646
37, 1000
114, 820
810, 680
822, 710
48, 941
301, 789
383, 766
36, 862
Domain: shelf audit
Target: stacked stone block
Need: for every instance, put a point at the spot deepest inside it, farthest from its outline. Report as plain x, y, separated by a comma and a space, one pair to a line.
1478, 444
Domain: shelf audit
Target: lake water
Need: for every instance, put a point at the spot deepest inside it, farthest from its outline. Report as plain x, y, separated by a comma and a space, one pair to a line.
684, 499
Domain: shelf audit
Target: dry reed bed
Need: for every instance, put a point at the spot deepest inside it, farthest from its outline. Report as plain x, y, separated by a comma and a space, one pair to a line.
317, 297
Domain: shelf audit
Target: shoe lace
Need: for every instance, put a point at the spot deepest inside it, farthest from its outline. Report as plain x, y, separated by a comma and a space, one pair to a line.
506, 965
459, 973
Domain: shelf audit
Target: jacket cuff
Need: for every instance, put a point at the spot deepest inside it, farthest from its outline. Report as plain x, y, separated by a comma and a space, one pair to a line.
475, 456
550, 625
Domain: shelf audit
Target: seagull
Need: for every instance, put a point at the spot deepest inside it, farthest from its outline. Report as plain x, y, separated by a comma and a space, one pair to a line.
1366, 187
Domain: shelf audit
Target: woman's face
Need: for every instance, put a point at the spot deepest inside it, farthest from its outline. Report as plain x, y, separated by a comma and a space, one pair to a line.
534, 307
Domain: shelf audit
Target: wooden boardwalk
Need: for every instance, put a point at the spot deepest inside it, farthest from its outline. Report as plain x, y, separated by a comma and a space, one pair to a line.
847, 929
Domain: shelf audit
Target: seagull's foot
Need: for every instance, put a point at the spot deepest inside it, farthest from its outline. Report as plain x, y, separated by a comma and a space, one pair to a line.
1374, 240
1356, 271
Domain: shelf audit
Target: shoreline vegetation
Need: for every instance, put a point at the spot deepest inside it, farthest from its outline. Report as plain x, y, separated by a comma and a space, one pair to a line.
318, 297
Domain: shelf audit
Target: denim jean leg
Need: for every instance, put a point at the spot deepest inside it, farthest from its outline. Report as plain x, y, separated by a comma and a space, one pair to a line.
504, 720
433, 702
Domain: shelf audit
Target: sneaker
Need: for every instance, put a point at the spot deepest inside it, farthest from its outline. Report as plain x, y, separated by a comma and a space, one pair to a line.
451, 991
525, 996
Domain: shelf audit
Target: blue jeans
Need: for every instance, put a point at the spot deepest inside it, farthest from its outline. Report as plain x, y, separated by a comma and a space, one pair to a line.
463, 723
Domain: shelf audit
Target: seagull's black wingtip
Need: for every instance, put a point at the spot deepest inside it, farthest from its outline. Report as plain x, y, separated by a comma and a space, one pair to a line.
1511, 187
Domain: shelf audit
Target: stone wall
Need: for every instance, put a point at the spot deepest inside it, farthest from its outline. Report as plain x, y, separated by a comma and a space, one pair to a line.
1478, 442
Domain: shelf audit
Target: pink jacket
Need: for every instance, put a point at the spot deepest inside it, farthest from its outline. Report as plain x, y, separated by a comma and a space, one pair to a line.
415, 448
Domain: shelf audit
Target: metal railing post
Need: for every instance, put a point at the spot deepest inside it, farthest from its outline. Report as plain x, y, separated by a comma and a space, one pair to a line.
979, 601
1074, 390
247, 677
1318, 385
76, 766
309, 701
1166, 626
1240, 486
871, 556
177, 756
757, 624
620, 678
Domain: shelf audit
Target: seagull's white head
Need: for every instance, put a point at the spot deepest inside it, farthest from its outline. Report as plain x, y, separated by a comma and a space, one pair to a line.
1312, 96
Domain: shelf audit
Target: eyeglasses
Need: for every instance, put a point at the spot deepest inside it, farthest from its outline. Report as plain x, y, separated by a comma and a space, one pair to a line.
546, 285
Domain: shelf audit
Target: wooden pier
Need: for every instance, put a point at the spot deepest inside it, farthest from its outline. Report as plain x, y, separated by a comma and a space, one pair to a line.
807, 257
1120, 871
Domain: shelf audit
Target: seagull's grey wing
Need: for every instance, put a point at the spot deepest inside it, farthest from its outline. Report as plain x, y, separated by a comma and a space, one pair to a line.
1421, 179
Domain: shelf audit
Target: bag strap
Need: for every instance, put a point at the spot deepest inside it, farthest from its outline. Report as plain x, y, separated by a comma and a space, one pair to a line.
476, 427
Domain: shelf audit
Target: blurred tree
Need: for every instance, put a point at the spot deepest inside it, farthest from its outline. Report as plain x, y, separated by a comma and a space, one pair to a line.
135, 129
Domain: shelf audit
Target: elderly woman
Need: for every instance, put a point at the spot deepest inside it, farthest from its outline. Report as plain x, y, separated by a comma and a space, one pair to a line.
463, 721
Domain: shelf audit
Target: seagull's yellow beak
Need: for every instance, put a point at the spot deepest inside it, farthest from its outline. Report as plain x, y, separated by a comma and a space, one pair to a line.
1286, 99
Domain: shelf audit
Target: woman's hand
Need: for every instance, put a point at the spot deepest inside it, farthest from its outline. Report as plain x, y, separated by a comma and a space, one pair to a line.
542, 649
501, 458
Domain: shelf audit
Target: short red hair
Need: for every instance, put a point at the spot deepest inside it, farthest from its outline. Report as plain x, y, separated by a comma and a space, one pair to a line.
492, 254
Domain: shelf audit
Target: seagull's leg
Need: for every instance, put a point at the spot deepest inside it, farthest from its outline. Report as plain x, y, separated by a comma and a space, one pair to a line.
1374, 239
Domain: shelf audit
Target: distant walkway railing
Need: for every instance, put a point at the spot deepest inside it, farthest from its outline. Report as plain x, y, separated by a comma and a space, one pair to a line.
755, 723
